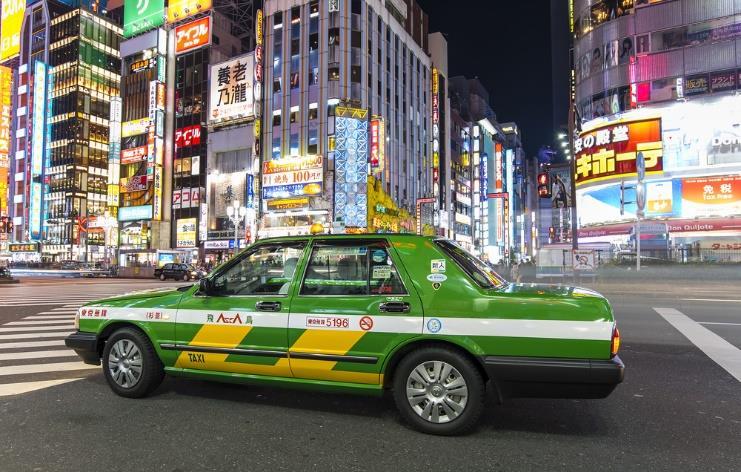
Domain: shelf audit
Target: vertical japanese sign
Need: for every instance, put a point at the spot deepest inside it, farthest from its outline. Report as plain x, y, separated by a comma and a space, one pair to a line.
6, 83
435, 132
114, 152
377, 145
231, 90
498, 168
157, 194
484, 173
257, 87
10, 28
37, 149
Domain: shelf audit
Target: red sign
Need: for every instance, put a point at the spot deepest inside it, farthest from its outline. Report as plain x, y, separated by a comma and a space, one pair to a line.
610, 151
188, 136
137, 154
366, 323
193, 35
712, 190
675, 226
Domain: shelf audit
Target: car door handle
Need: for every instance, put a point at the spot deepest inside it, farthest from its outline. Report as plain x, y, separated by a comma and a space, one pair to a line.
394, 307
267, 306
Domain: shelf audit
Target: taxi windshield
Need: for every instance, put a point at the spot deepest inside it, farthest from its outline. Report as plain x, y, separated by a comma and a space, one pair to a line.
481, 273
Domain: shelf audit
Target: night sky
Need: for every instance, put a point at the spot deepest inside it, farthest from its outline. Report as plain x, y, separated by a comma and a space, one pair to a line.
507, 45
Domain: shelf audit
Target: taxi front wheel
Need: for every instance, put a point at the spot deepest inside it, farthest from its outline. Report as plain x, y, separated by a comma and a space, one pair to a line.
130, 364
439, 391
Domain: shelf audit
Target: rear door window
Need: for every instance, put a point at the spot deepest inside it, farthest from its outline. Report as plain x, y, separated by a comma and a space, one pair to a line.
351, 269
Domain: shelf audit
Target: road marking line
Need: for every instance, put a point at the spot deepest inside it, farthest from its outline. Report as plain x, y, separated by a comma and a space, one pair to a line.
50, 367
719, 323
19, 345
61, 334
716, 348
711, 300
35, 328
26, 387
37, 354
36, 322
50, 317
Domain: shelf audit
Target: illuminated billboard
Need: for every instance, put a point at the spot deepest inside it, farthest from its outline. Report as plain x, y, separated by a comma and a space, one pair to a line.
188, 136
193, 35
351, 168
186, 232
609, 151
10, 28
179, 10
142, 15
293, 177
6, 83
377, 144
231, 90
37, 149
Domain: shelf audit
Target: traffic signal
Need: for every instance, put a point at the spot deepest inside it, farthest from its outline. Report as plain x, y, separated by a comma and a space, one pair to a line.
544, 185
4, 224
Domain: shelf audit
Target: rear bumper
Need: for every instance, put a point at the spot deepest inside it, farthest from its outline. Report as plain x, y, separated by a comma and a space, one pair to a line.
554, 378
85, 345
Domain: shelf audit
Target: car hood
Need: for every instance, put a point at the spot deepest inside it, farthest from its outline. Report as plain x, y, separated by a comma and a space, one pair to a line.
125, 299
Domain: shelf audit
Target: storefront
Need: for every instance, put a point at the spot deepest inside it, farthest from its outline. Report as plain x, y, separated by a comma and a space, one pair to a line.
692, 152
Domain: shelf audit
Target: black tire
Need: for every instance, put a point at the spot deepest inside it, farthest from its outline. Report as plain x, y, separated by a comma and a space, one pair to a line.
475, 384
186, 278
152, 371
162, 276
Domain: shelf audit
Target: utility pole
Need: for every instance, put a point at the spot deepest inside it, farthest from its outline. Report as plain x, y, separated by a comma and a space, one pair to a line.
640, 203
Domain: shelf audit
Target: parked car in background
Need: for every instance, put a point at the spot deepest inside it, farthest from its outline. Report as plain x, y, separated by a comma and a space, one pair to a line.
179, 272
5, 273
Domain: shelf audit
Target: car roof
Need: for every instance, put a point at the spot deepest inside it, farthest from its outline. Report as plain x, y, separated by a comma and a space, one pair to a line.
390, 236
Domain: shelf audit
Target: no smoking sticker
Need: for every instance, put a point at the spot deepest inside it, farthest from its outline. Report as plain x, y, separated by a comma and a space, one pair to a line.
366, 323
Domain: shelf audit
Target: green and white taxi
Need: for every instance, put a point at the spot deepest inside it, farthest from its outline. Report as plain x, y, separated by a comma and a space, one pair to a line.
363, 313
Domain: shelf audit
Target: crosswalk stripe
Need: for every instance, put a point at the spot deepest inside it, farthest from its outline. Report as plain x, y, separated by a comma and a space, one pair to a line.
35, 322
25, 387
64, 310
50, 317
61, 334
50, 367
34, 328
9, 356
27, 344
56, 312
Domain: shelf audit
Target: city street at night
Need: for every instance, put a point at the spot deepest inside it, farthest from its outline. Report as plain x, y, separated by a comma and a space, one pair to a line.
677, 409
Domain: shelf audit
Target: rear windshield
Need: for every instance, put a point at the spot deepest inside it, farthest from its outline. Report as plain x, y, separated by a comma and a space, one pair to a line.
481, 273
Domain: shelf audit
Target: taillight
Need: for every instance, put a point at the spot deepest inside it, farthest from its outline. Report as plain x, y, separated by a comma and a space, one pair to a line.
615, 344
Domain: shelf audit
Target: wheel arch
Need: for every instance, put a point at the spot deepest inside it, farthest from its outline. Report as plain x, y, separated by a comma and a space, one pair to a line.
114, 326
398, 354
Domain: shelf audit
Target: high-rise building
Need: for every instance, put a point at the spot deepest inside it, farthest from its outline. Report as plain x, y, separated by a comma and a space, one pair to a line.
661, 80
67, 77
335, 70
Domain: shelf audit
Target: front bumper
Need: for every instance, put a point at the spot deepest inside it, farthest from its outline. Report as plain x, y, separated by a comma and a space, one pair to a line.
85, 345
554, 378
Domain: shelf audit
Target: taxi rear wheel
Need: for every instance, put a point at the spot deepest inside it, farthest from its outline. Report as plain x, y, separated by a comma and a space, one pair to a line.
439, 391
130, 364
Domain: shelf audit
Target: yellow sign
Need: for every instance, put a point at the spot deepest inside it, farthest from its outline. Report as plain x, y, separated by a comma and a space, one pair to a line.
10, 28
186, 232
134, 127
179, 10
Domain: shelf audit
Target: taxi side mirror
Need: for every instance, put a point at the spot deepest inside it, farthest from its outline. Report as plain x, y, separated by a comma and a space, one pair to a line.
204, 286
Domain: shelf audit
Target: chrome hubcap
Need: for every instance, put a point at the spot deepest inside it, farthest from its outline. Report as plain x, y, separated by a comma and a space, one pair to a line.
437, 392
125, 363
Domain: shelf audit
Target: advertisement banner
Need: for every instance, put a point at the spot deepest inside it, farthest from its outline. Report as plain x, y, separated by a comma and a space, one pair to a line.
10, 28
188, 136
295, 190
193, 35
134, 127
609, 151
6, 83
142, 212
137, 154
378, 144
185, 198
186, 232
178, 10
177, 199
292, 164
711, 196
292, 178
282, 204
659, 198
142, 15
351, 169
137, 183
231, 90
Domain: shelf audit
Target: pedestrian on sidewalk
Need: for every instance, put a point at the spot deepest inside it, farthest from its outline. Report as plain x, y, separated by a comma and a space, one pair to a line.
515, 272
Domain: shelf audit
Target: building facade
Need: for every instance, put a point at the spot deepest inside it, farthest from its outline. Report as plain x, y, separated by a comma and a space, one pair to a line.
66, 80
659, 78
335, 70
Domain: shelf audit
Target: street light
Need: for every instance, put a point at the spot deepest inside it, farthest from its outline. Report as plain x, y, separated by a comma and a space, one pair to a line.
236, 213
561, 135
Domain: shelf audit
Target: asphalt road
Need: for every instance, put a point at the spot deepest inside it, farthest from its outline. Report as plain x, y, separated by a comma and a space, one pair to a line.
677, 410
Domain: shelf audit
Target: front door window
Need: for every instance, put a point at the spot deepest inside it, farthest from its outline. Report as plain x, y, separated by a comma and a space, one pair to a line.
267, 270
